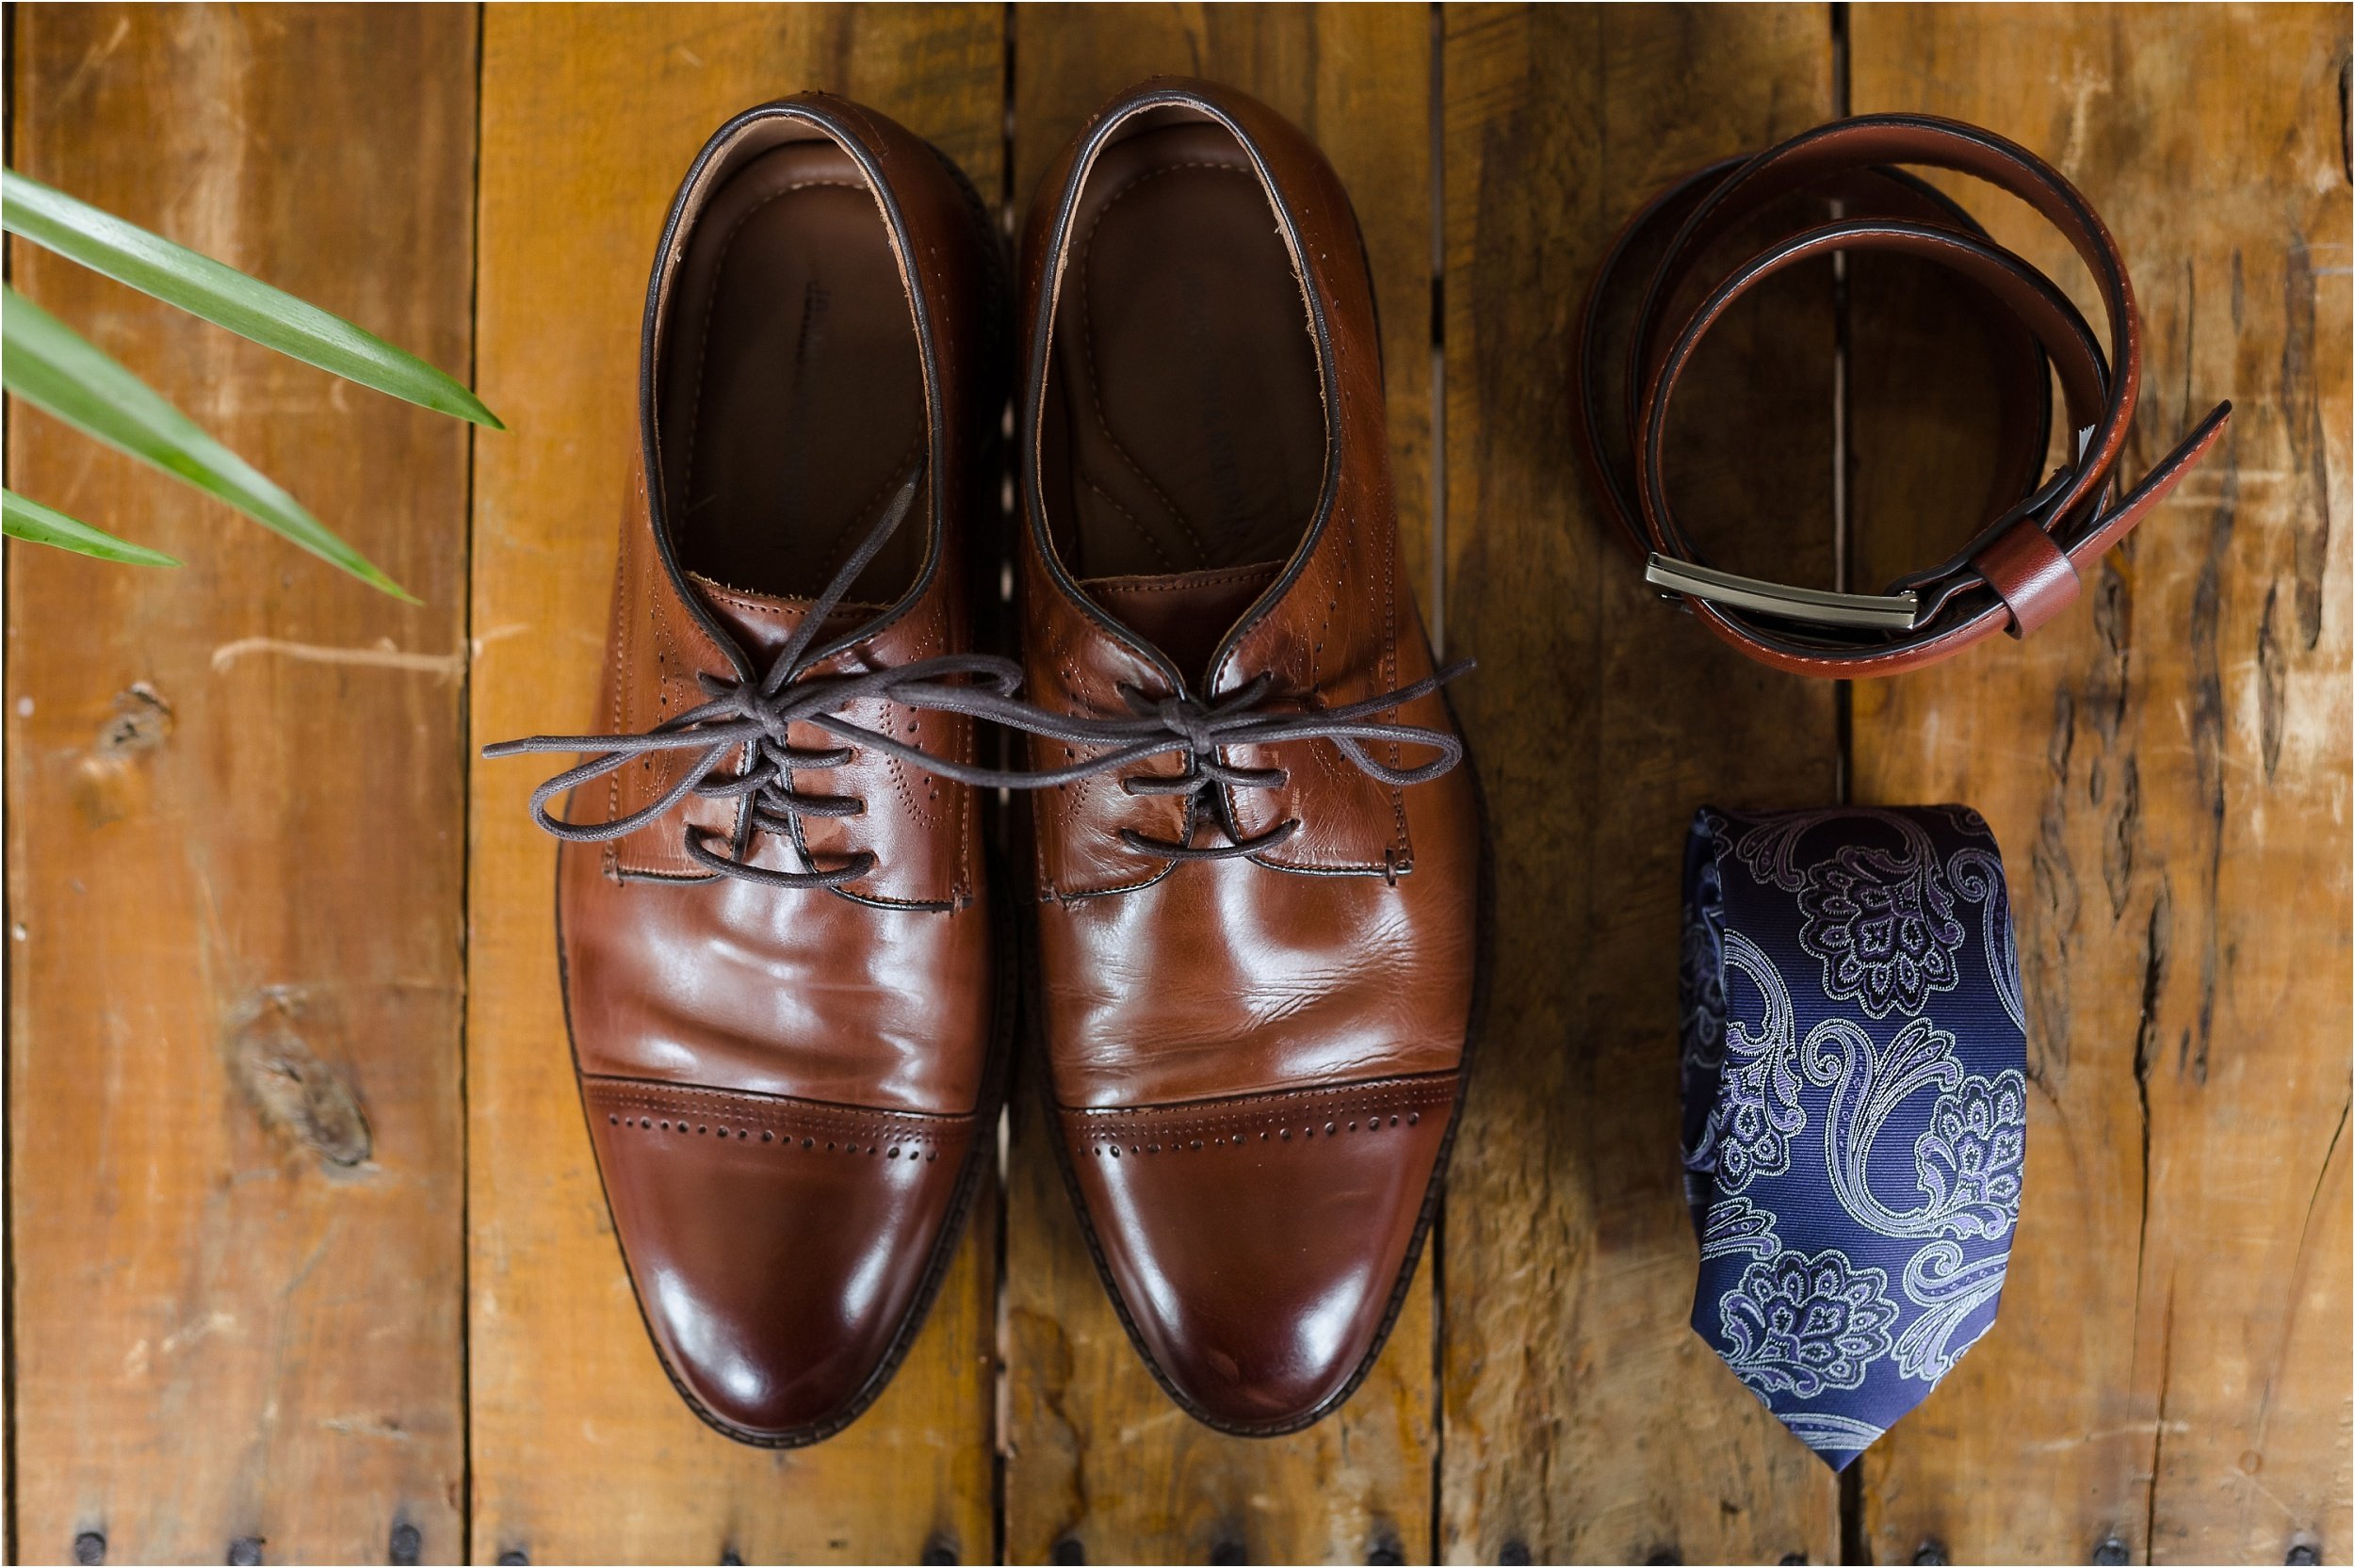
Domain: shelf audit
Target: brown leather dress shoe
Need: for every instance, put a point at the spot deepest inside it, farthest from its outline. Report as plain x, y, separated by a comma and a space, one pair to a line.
1258, 873
775, 920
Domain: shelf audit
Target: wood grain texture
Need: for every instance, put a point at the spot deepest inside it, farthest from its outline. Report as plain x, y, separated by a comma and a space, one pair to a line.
1097, 1457
235, 808
1584, 1420
2167, 768
582, 1451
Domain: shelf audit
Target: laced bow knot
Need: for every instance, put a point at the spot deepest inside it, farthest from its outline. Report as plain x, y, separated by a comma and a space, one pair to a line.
1197, 725
1202, 732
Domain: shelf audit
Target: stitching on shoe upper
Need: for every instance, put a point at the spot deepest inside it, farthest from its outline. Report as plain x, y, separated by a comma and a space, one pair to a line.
1218, 578
662, 1098
1122, 1121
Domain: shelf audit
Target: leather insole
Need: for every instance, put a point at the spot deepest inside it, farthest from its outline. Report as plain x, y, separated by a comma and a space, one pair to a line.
1186, 417
792, 396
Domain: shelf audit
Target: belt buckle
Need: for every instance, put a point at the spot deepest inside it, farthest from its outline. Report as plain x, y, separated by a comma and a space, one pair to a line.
1894, 612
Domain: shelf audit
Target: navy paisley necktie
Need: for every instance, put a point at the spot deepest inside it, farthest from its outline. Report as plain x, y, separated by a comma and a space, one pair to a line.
1855, 1103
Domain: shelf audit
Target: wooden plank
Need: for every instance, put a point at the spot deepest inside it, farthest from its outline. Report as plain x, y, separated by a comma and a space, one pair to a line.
2167, 768
583, 1452
1097, 1457
235, 808
1585, 1419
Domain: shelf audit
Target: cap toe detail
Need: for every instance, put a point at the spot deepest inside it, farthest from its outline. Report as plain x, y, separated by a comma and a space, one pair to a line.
1257, 1246
780, 1248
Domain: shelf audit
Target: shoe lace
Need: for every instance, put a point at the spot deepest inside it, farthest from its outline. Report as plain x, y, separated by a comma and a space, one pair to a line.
755, 719
1199, 730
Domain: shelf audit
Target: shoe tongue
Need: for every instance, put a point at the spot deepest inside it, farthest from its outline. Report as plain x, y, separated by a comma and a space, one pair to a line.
1184, 613
762, 624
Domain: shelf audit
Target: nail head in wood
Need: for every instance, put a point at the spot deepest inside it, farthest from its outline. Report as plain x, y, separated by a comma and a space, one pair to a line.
1931, 1553
89, 1546
2110, 1549
1068, 1550
406, 1544
245, 1551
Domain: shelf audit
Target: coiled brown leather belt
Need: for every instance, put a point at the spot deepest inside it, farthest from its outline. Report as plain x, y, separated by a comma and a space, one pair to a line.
2020, 570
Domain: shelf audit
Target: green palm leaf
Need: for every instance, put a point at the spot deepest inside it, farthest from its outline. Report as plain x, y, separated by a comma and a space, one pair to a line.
46, 362
30, 520
225, 297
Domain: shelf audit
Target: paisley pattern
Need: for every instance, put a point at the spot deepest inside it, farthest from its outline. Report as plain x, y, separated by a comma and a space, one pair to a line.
1738, 1225
1967, 1162
1853, 1054
1806, 1323
1951, 1292
1757, 1112
1980, 877
1970, 1160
